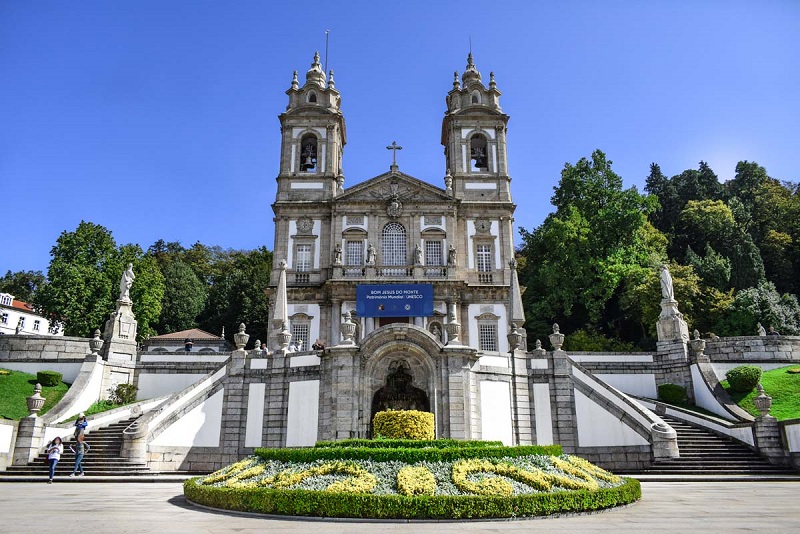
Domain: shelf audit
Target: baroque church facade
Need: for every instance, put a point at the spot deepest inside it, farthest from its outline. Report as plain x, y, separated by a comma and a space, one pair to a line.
396, 231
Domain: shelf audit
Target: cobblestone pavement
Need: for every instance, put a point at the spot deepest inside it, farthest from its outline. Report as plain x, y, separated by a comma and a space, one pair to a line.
694, 507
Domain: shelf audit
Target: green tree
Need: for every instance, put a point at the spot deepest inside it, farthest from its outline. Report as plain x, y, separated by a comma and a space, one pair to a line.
578, 258
184, 298
238, 293
762, 304
22, 284
80, 288
713, 268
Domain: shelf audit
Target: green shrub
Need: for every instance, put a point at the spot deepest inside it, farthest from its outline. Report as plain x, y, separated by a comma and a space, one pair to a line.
403, 424
744, 378
407, 443
672, 393
793, 370
49, 378
407, 455
329, 504
123, 394
4, 372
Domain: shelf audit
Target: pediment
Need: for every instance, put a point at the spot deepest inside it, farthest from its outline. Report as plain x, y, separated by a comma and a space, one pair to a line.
386, 186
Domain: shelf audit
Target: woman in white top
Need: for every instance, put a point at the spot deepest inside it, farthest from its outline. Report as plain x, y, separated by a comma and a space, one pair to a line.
54, 451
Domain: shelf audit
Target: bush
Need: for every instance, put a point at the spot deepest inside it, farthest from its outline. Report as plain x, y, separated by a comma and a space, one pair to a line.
407, 443
329, 504
407, 455
744, 378
49, 378
672, 393
123, 394
403, 424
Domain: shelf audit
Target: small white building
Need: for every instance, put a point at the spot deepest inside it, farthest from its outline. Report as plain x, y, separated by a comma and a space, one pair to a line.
17, 317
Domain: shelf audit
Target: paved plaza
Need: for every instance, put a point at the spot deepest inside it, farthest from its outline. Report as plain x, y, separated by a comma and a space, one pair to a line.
160, 508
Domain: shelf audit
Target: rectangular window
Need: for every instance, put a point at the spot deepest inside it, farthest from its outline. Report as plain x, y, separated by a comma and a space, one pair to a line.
4, 318
303, 261
484, 263
433, 253
35, 326
487, 333
355, 253
300, 333
6, 300
21, 322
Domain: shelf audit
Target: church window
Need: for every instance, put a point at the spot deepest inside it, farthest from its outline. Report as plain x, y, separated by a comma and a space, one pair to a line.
300, 331
308, 153
484, 263
487, 335
476, 97
393, 250
477, 151
355, 253
312, 96
434, 259
302, 263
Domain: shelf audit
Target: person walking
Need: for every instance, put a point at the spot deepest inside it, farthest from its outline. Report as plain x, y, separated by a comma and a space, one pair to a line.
54, 451
80, 448
80, 424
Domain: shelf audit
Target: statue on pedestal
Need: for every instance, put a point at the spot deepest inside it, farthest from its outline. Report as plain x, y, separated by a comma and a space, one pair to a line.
125, 284
667, 291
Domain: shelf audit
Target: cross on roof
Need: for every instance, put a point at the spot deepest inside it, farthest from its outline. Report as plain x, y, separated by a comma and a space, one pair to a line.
394, 147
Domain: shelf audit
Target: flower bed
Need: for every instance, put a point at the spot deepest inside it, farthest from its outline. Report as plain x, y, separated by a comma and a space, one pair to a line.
448, 482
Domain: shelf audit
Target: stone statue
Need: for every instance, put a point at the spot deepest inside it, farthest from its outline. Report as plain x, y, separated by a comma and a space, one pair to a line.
125, 283
417, 254
337, 254
452, 259
761, 330
667, 291
371, 254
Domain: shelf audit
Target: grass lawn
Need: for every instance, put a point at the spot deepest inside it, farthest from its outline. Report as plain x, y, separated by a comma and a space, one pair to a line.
782, 386
98, 407
16, 386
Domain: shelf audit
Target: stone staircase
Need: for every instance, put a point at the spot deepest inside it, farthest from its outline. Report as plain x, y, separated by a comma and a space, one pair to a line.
102, 460
705, 453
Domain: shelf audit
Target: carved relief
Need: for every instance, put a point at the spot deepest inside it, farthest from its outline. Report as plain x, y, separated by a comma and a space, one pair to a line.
304, 225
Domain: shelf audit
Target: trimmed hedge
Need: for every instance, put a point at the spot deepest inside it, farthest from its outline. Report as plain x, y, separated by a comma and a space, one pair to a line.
404, 454
328, 504
672, 393
407, 443
403, 424
744, 379
49, 378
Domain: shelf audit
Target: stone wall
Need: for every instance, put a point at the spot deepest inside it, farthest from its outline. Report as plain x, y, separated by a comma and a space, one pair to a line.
43, 348
754, 349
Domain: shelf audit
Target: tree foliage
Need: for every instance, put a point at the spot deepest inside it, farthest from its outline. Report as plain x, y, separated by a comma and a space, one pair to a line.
761, 304
22, 284
184, 297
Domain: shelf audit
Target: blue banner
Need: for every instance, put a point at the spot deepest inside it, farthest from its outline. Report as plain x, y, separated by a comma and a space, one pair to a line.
394, 300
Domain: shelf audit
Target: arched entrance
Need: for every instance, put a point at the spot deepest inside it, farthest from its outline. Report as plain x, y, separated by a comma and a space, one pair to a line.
399, 393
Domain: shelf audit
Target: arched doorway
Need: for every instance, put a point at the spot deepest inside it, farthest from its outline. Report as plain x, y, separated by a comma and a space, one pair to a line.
399, 393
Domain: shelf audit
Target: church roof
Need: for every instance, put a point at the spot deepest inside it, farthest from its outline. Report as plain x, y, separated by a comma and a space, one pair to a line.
192, 333
384, 186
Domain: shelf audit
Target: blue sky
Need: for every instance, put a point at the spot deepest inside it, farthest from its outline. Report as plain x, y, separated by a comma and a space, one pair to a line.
159, 120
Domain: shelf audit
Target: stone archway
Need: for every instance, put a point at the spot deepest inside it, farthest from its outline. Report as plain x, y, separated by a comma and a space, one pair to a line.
399, 393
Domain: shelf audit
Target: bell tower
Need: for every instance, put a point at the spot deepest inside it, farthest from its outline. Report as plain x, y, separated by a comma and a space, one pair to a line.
312, 140
474, 139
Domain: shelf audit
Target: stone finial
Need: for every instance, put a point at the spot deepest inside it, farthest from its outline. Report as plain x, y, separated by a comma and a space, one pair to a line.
223, 332
35, 401
696, 333
331, 83
241, 338
448, 181
556, 338
514, 337
763, 401
96, 343
282, 265
456, 81
492, 83
295, 83
512, 264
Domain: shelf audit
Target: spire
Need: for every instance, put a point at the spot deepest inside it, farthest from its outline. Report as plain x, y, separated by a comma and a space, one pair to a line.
515, 310
280, 315
315, 75
471, 74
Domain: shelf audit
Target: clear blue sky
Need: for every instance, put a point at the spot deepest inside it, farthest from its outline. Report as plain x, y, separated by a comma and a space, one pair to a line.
159, 120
